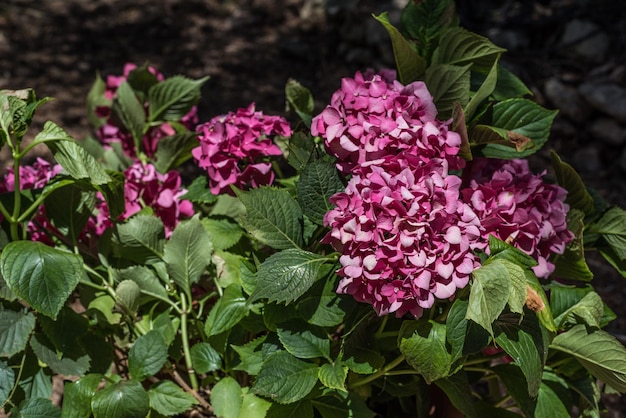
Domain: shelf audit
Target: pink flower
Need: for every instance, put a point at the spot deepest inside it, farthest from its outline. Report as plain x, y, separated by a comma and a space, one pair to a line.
234, 149
518, 207
405, 238
373, 115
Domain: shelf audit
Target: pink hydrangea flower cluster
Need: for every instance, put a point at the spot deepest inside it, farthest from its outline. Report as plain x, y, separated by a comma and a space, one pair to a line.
144, 187
374, 115
110, 133
234, 148
404, 236
517, 206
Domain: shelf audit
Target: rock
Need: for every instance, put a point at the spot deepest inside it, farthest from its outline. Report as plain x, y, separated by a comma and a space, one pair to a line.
608, 98
608, 131
586, 39
567, 100
622, 160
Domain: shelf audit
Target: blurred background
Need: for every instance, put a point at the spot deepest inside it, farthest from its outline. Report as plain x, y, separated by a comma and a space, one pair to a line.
571, 53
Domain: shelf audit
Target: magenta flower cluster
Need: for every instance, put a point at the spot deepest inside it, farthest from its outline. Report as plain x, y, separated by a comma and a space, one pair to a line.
234, 149
373, 115
517, 206
110, 133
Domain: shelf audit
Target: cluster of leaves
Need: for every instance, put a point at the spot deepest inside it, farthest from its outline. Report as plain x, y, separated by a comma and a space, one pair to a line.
240, 300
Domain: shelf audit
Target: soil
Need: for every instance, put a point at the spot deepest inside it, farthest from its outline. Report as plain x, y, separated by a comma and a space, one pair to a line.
250, 48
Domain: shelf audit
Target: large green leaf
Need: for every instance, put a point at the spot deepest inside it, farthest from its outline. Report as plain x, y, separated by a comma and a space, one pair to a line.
318, 181
599, 352
459, 46
587, 311
41, 275
141, 239
251, 356
287, 275
130, 111
167, 398
483, 92
300, 148
612, 228
73, 362
564, 298
423, 344
465, 337
69, 208
174, 150
489, 294
15, 330
553, 399
147, 282
188, 253
408, 62
322, 306
173, 98
226, 398
572, 263
51, 132
303, 340
449, 84
517, 386
125, 399
222, 232
273, 217
198, 191
77, 396
577, 195
37, 408
333, 375
64, 331
231, 308
509, 85
424, 21
285, 379
253, 406
147, 355
205, 358
7, 380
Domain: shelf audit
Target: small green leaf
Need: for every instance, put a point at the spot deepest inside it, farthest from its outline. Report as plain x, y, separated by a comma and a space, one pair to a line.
7, 380
318, 181
15, 330
459, 46
408, 62
424, 347
69, 208
485, 90
141, 239
130, 111
96, 99
587, 311
171, 99
448, 84
172, 151
253, 407
227, 311
127, 295
322, 306
167, 398
141, 79
424, 21
51, 132
572, 263
300, 148
37, 408
509, 85
78, 163
465, 337
125, 399
41, 275
205, 358
147, 282
612, 228
599, 352
287, 275
188, 253
299, 99
147, 355
251, 356
333, 375
73, 362
489, 294
226, 398
285, 379
198, 191
222, 232
273, 217
77, 396
564, 298
577, 195
303, 340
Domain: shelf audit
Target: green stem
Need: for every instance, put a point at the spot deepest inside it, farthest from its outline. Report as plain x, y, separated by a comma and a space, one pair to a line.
17, 196
382, 372
381, 328
185, 337
17, 381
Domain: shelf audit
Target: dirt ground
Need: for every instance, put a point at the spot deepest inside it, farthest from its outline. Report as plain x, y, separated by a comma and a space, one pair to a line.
250, 48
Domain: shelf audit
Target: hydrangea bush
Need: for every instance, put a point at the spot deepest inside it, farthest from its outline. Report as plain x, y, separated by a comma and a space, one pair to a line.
392, 254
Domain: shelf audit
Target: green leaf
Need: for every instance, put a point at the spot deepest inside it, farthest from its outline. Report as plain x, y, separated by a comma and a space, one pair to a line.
253, 407
285, 379
172, 151
424, 347
15, 330
448, 84
167, 398
73, 362
518, 119
424, 21
130, 111
69, 208
612, 228
299, 99
66, 329
300, 409
458, 391
552, 398
141, 79
127, 295
146, 281
599, 352
333, 375
198, 191
517, 386
251, 356
35, 381
489, 294
564, 298
227, 311
7, 380
125, 399
229, 268
485, 90
78, 163
273, 217
77, 396
41, 275
408, 62
526, 343
322, 306
51, 133
465, 337
587, 311
577, 195
188, 253
459, 46
300, 147
302, 340
147, 355
141, 239
222, 232
351, 405
318, 181
226, 398
509, 85
37, 408
572, 263
205, 358
171, 99
229, 206
287, 275
113, 193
